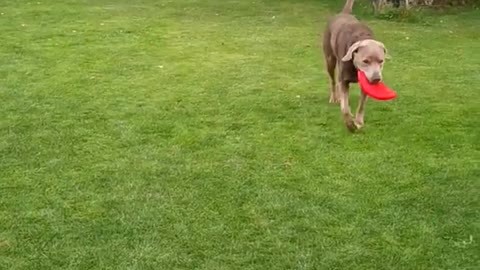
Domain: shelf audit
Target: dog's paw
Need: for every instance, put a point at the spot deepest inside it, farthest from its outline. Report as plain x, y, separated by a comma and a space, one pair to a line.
334, 99
351, 125
359, 121
358, 124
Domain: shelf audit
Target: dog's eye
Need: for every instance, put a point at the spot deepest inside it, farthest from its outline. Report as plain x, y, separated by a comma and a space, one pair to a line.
380, 61
366, 61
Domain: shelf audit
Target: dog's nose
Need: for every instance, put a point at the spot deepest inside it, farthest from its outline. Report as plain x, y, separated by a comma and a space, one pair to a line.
375, 80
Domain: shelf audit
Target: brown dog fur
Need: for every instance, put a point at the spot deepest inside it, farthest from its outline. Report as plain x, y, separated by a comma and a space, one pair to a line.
350, 46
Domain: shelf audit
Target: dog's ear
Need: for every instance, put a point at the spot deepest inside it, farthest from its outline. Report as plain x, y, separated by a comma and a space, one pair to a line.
387, 56
349, 55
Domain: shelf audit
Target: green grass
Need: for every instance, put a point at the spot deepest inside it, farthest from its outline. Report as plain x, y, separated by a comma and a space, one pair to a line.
198, 135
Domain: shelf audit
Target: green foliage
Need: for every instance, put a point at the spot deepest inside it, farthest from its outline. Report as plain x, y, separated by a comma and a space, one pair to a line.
401, 14
455, 3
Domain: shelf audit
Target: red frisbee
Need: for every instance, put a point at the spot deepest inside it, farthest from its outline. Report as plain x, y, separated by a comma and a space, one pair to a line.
377, 91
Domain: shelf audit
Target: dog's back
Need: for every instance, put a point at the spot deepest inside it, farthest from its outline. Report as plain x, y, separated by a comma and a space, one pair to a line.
343, 30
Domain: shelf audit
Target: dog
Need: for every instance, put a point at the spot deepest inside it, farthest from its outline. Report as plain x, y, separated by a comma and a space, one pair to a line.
350, 45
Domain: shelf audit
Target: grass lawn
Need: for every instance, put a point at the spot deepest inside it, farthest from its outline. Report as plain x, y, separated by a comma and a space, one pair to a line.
188, 134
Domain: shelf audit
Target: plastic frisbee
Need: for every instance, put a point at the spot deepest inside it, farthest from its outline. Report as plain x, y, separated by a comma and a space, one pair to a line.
377, 91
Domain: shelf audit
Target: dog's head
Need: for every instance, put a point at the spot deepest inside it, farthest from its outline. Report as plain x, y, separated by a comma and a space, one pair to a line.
368, 56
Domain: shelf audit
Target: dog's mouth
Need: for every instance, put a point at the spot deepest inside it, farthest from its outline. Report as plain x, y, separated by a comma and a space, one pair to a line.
375, 80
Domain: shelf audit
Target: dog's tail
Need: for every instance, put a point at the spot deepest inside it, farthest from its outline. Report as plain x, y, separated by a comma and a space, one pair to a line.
348, 7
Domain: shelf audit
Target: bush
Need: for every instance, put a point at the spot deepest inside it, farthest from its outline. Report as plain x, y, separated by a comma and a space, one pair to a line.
397, 3
442, 2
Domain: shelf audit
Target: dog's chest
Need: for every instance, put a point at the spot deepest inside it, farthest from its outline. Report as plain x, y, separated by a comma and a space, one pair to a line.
348, 72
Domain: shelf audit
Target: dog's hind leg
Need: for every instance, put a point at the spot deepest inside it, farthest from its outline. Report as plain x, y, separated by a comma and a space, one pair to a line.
345, 107
331, 64
361, 106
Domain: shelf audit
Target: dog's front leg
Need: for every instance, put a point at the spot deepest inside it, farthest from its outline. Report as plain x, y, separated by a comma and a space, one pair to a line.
344, 105
361, 106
